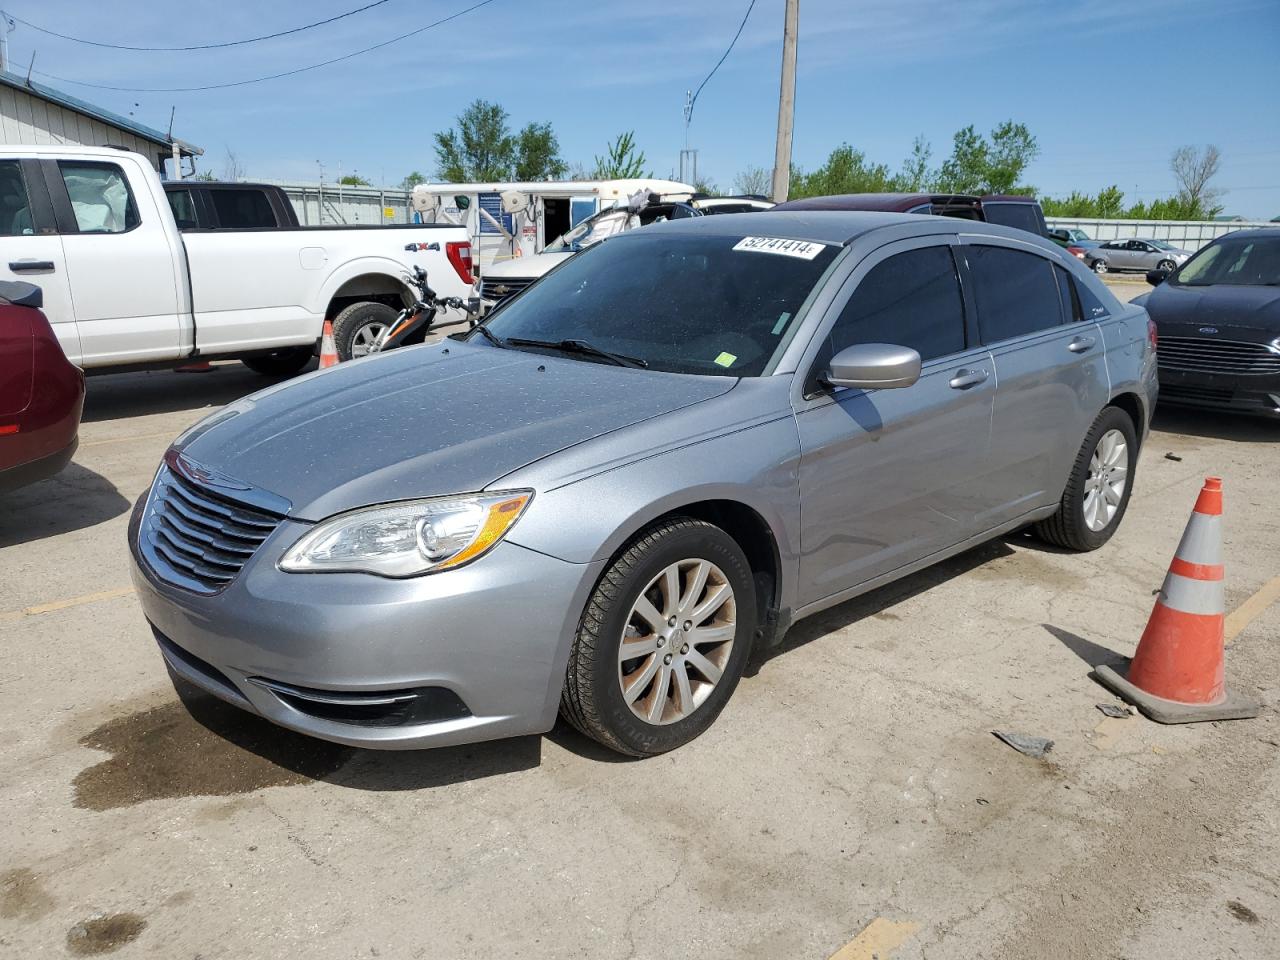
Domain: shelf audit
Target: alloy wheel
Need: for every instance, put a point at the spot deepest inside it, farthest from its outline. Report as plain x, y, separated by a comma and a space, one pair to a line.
364, 339
1108, 476
677, 641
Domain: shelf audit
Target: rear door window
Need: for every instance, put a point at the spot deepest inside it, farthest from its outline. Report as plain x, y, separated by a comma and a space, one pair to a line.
911, 299
1016, 292
100, 197
15, 204
242, 209
184, 209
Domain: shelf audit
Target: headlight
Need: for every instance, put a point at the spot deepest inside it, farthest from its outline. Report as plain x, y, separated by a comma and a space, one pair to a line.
409, 538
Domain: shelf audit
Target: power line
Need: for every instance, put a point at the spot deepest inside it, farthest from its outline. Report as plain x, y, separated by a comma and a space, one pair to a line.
199, 46
273, 76
751, 6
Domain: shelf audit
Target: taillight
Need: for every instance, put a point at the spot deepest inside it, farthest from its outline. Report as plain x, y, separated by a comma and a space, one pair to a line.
459, 253
1151, 332
1077, 252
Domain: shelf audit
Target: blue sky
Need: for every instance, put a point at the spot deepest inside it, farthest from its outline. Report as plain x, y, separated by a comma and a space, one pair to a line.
1109, 87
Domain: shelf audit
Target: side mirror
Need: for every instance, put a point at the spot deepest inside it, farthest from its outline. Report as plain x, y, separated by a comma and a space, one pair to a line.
1157, 277
874, 366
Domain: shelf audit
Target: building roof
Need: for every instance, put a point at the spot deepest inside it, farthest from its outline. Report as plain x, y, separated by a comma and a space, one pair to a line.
68, 102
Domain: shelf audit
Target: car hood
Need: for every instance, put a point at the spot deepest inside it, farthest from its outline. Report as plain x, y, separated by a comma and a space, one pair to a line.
425, 421
1222, 305
522, 267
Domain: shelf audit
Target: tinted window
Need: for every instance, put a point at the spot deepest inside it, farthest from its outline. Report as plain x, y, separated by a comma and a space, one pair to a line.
1066, 295
683, 303
1024, 216
1244, 259
1091, 306
100, 196
183, 207
15, 207
242, 208
1017, 292
911, 299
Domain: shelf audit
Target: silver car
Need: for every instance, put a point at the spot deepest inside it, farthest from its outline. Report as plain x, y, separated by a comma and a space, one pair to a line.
1135, 254
646, 465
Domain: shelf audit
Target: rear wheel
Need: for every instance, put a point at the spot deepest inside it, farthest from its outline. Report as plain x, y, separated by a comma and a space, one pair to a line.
280, 363
663, 641
1166, 265
1098, 489
1100, 266
357, 327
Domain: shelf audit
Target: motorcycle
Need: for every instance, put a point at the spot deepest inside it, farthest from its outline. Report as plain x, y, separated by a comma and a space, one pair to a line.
414, 322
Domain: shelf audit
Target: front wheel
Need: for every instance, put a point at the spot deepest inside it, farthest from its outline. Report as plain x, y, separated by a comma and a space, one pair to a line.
1100, 266
663, 641
1097, 492
1168, 266
357, 328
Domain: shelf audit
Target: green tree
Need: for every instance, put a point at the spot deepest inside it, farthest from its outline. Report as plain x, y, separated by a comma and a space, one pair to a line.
1193, 169
622, 161
412, 180
354, 180
538, 154
205, 175
846, 171
916, 175
481, 149
754, 180
981, 165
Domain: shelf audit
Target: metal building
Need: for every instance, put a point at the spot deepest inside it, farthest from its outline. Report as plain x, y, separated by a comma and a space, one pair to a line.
33, 113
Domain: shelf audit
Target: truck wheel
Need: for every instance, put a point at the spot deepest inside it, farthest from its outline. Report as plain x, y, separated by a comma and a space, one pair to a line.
663, 640
356, 327
280, 363
1098, 489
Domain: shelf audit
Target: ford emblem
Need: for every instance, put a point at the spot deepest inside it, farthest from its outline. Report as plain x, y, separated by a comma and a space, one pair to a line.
1208, 329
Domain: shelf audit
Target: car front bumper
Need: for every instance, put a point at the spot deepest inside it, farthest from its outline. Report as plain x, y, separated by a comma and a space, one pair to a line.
482, 648
1228, 392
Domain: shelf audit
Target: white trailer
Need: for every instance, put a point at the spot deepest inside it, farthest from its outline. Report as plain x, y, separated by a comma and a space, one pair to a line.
517, 219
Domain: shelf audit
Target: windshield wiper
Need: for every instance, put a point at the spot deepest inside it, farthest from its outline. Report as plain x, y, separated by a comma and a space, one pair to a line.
581, 347
489, 335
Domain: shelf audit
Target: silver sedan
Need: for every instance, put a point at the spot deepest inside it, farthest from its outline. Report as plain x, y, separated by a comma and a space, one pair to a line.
1137, 253
636, 471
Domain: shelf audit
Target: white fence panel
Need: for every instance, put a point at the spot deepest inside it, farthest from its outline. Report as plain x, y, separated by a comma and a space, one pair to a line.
1187, 234
321, 204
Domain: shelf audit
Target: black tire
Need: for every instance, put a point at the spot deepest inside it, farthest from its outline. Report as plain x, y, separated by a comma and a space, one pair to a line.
1067, 528
281, 363
592, 699
1099, 266
355, 318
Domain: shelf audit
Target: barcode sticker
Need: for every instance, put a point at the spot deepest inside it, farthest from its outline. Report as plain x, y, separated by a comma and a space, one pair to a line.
803, 249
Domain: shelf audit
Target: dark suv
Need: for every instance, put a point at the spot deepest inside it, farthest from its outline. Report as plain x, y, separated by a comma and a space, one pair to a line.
1008, 211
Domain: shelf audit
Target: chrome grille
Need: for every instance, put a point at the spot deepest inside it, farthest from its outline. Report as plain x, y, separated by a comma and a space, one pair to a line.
1196, 355
199, 539
500, 288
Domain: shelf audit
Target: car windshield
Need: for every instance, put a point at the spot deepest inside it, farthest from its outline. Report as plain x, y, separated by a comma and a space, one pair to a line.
1077, 235
697, 304
1161, 245
590, 231
1245, 260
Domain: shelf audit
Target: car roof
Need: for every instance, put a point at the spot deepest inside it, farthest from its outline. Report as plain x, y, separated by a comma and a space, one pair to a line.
829, 226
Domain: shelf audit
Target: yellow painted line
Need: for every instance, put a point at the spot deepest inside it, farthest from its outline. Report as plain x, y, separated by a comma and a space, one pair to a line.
878, 939
141, 436
1251, 609
65, 604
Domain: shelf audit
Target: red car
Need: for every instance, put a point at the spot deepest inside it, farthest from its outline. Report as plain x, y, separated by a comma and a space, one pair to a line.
41, 392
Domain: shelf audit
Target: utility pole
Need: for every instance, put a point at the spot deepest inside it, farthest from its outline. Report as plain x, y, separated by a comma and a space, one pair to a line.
786, 103
7, 26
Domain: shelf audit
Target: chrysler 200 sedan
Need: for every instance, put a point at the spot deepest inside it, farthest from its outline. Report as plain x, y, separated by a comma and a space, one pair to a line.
656, 458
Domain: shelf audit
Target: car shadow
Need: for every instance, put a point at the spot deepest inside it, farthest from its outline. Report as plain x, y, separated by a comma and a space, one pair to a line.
72, 499
117, 396
1215, 425
870, 604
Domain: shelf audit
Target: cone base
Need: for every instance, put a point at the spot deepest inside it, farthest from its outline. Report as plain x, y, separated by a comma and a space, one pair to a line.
1231, 707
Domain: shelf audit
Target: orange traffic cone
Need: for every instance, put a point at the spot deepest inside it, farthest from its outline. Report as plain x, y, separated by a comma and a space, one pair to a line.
328, 349
1177, 674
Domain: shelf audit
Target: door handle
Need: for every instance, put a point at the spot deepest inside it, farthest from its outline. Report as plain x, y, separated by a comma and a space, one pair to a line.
1081, 344
964, 379
30, 266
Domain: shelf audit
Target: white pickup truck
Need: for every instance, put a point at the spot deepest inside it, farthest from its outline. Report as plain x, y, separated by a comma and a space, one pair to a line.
124, 288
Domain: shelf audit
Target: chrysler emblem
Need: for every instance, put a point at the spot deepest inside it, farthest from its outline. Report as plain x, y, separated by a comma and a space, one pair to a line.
1208, 329
501, 290
209, 478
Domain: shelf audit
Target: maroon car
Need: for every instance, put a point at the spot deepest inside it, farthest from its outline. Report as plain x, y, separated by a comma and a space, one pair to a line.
41, 392
1008, 211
